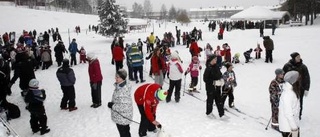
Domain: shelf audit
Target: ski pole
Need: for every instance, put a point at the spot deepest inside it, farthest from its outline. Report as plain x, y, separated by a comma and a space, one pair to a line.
200, 80
268, 123
184, 85
125, 117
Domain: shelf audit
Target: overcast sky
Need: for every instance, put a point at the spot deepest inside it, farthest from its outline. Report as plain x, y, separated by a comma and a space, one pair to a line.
187, 4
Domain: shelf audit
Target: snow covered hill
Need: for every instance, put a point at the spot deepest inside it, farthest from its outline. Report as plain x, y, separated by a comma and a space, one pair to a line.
186, 118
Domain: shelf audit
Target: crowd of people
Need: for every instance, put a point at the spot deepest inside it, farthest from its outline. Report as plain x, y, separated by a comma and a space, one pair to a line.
292, 82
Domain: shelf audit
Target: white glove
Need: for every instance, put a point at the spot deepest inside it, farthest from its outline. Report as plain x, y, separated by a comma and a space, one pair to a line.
295, 133
306, 92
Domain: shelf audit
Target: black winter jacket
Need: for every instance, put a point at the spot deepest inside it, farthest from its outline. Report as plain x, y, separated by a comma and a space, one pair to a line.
66, 76
303, 71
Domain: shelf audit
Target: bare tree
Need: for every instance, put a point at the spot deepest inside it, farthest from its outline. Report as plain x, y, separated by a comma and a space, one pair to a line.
163, 12
137, 10
172, 13
147, 8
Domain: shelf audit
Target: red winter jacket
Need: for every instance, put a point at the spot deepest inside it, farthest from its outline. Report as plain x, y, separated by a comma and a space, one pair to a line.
95, 71
157, 64
117, 53
194, 49
144, 95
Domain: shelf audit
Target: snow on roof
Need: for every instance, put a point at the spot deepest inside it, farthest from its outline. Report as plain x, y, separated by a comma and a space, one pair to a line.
216, 9
256, 13
136, 21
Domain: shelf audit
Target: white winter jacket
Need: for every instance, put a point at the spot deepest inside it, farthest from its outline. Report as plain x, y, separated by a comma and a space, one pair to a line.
289, 109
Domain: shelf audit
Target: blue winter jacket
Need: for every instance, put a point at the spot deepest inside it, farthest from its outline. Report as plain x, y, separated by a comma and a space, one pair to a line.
73, 48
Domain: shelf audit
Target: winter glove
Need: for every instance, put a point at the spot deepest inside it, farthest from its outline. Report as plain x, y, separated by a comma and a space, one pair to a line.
110, 104
94, 86
306, 92
112, 62
159, 126
295, 133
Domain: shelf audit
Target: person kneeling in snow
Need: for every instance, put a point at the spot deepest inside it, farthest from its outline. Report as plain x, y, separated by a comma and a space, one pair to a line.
247, 55
147, 97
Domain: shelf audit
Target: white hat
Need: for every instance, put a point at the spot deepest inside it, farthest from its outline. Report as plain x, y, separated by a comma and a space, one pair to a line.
91, 56
291, 77
34, 83
174, 55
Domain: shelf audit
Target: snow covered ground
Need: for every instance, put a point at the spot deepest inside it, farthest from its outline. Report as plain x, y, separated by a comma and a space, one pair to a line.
186, 118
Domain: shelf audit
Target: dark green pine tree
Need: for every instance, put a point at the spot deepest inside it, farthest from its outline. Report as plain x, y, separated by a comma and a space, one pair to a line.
112, 21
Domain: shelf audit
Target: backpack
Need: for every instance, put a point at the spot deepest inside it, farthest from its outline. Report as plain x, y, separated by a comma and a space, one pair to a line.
13, 111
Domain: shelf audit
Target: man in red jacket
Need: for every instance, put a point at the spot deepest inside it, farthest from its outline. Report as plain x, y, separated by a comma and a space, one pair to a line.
147, 98
95, 79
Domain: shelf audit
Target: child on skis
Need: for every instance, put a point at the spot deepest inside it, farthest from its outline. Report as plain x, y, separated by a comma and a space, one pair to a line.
258, 51
229, 84
194, 68
35, 98
82, 55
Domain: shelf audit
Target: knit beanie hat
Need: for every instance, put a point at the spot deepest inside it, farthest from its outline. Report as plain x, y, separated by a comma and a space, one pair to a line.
91, 56
33, 83
65, 63
227, 65
294, 55
174, 55
291, 76
161, 94
122, 73
278, 71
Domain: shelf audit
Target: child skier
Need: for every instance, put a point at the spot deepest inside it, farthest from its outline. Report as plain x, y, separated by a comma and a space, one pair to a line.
193, 68
229, 84
35, 98
82, 55
258, 51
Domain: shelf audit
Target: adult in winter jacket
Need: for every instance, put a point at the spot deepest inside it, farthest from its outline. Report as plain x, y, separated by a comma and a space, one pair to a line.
147, 97
194, 48
95, 79
158, 66
230, 82
295, 63
59, 49
46, 58
175, 75
4, 80
136, 62
67, 79
35, 98
268, 44
226, 52
121, 104
24, 70
275, 90
73, 49
212, 77
289, 106
118, 56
